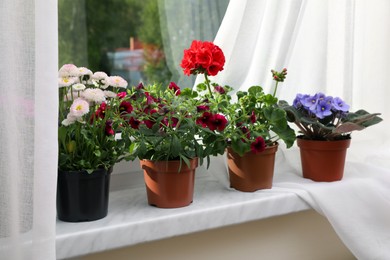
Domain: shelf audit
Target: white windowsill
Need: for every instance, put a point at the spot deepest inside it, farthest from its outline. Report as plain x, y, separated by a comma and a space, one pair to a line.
131, 220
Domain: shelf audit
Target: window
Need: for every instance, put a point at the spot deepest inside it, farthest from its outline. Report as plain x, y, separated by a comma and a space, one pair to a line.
140, 40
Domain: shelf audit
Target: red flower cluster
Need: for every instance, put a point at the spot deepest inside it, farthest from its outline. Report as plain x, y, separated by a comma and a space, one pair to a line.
212, 121
203, 57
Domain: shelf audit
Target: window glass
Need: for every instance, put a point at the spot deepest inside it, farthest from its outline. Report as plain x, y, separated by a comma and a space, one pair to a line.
140, 40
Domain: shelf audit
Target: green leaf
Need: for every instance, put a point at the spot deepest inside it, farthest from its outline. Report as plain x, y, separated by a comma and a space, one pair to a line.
270, 100
201, 87
175, 146
185, 159
97, 153
292, 113
286, 134
363, 118
255, 91
240, 147
189, 93
241, 94
348, 127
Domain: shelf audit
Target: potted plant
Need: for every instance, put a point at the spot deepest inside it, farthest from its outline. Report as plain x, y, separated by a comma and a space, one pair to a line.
249, 128
165, 138
325, 125
89, 116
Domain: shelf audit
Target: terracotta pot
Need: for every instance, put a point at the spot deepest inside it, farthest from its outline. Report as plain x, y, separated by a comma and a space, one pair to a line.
251, 172
168, 185
323, 160
82, 196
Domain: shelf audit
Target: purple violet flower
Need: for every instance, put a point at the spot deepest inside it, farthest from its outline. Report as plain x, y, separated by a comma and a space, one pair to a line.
340, 105
310, 103
323, 108
297, 103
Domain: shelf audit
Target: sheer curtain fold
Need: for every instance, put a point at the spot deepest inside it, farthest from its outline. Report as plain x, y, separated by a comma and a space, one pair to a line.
340, 48
28, 105
257, 36
337, 47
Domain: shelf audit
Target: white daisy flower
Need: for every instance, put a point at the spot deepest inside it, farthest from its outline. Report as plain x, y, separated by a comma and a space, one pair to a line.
100, 78
94, 95
116, 81
104, 84
84, 71
69, 120
79, 108
109, 94
78, 87
99, 75
66, 81
68, 70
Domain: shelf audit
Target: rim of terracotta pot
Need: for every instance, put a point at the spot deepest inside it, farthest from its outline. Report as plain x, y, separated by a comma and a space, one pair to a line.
171, 165
323, 145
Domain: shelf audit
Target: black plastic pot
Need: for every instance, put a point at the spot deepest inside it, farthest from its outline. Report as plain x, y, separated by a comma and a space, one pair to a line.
82, 196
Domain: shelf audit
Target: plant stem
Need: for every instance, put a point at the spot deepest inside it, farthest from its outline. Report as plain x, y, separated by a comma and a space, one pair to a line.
276, 87
208, 83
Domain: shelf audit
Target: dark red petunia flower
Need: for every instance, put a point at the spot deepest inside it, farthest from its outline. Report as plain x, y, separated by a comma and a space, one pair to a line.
253, 117
109, 130
202, 108
149, 123
204, 119
173, 122
99, 113
217, 122
134, 123
126, 107
219, 89
175, 88
258, 145
140, 86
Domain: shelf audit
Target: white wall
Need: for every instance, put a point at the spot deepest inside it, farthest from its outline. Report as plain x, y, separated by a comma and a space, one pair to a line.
303, 235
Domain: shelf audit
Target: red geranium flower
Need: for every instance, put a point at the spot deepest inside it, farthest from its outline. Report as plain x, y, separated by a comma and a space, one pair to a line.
258, 145
217, 122
203, 57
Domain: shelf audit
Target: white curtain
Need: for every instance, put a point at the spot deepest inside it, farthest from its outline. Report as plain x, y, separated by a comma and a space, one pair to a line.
341, 48
28, 132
